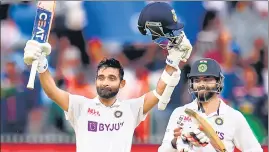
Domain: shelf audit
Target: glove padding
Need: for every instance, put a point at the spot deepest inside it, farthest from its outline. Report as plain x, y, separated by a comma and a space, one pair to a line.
194, 136
183, 146
178, 51
34, 50
37, 51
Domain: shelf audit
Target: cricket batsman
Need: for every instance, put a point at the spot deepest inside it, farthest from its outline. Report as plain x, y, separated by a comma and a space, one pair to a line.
105, 123
184, 135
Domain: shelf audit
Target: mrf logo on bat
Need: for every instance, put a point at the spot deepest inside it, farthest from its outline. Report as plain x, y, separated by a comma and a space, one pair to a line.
42, 24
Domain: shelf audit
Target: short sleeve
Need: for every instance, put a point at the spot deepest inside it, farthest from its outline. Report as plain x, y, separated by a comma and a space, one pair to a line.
244, 138
136, 105
74, 108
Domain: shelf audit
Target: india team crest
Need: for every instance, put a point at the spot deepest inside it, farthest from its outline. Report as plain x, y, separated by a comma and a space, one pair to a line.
202, 68
118, 114
174, 15
219, 121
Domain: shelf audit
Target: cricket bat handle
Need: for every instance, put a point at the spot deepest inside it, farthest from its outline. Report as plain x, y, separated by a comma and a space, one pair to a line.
41, 29
31, 81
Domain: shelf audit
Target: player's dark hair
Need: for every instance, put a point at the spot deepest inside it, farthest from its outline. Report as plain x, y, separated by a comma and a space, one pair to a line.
112, 63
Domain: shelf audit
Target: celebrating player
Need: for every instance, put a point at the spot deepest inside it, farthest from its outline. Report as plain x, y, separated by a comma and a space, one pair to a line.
205, 83
106, 124
159, 21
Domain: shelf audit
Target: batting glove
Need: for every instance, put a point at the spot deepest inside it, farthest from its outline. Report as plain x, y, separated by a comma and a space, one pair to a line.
194, 136
183, 146
37, 51
179, 52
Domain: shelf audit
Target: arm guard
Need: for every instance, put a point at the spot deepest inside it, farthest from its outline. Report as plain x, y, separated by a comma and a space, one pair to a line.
171, 82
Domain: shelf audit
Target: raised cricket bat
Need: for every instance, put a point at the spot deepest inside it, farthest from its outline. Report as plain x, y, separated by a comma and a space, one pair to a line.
208, 130
41, 30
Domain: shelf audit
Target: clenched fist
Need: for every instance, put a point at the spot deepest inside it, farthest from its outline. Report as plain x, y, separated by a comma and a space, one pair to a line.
194, 135
180, 50
33, 51
188, 136
180, 144
37, 51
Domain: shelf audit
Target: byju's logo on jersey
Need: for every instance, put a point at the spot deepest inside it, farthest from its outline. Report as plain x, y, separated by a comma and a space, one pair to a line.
94, 126
220, 134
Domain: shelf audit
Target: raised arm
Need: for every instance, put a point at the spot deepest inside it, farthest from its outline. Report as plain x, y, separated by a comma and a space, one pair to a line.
38, 51
170, 76
59, 96
151, 98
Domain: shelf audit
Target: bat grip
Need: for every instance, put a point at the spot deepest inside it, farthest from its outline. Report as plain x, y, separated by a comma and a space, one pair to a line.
31, 80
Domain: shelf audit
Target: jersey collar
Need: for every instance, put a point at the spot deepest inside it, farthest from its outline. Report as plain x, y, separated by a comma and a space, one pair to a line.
99, 103
221, 110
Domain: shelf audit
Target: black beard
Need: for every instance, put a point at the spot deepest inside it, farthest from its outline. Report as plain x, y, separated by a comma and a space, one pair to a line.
106, 93
205, 97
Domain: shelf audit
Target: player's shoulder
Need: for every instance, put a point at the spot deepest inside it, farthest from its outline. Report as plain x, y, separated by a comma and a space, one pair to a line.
181, 109
233, 112
132, 100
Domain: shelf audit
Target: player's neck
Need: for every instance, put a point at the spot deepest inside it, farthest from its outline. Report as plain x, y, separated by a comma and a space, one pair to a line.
212, 105
107, 102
